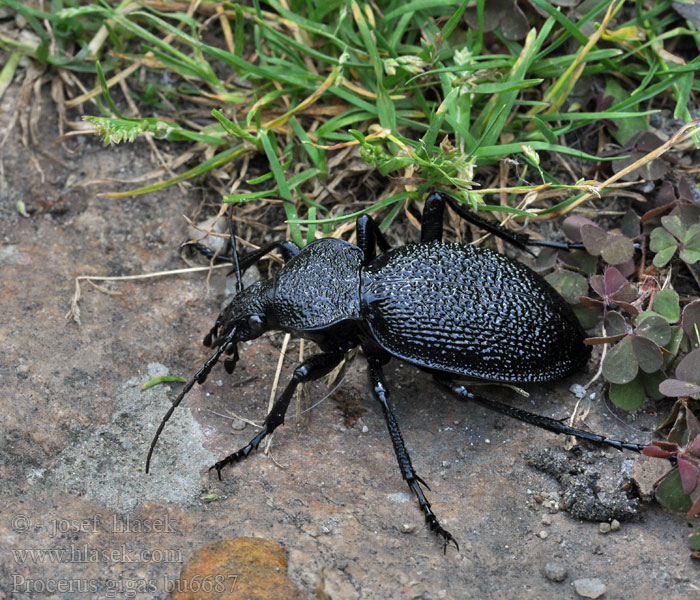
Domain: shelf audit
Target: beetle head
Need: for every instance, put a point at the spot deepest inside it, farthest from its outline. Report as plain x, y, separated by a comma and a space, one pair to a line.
247, 314
245, 318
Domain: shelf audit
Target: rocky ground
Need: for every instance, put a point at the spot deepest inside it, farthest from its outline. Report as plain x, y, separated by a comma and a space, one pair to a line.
76, 429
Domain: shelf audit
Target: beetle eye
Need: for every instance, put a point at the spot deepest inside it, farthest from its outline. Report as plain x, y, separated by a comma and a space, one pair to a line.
256, 325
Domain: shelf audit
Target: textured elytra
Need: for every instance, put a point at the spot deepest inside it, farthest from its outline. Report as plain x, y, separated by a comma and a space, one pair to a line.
319, 287
470, 311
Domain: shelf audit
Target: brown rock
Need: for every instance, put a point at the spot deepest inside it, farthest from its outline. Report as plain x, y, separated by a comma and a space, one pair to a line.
238, 569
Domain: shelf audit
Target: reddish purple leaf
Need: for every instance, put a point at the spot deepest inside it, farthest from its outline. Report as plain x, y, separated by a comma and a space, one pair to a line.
655, 452
630, 308
693, 425
689, 475
593, 239
572, 227
617, 249
667, 445
694, 447
591, 302
613, 280
675, 388
694, 509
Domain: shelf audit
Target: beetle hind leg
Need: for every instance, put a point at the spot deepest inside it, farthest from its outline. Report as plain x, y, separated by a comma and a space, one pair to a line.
313, 368
538, 420
407, 471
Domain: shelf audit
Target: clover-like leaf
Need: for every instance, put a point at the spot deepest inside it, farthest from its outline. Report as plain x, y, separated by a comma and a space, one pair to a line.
617, 249
693, 425
638, 146
689, 368
628, 396
580, 260
593, 238
504, 15
691, 320
673, 346
572, 227
664, 245
694, 446
615, 323
587, 317
687, 235
674, 225
546, 259
690, 250
669, 492
607, 284
674, 426
655, 328
676, 388
689, 475
569, 284
647, 353
620, 364
630, 224
613, 288
654, 451
666, 304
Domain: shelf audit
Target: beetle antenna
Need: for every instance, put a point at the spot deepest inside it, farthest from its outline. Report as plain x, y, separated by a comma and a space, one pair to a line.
199, 377
234, 251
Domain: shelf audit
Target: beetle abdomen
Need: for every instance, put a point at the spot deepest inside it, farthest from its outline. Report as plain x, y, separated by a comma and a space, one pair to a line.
470, 311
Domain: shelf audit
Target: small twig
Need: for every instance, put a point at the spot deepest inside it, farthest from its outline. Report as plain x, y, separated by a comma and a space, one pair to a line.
74, 312
235, 416
104, 290
599, 372
273, 391
680, 136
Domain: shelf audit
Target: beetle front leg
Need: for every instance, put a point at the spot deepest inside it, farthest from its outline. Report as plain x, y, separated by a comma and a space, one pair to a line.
407, 471
314, 368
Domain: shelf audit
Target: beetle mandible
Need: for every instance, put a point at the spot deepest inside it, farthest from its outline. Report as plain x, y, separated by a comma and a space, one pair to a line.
454, 310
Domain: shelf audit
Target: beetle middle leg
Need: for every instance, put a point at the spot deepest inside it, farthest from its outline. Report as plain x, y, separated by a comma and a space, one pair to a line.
407, 471
311, 369
538, 420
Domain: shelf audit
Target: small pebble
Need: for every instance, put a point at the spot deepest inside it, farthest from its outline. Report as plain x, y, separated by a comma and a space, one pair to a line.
615, 525
604, 528
546, 520
589, 587
554, 571
238, 424
408, 527
543, 535
578, 390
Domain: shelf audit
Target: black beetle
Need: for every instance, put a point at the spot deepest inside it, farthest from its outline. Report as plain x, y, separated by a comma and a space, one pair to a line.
454, 310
